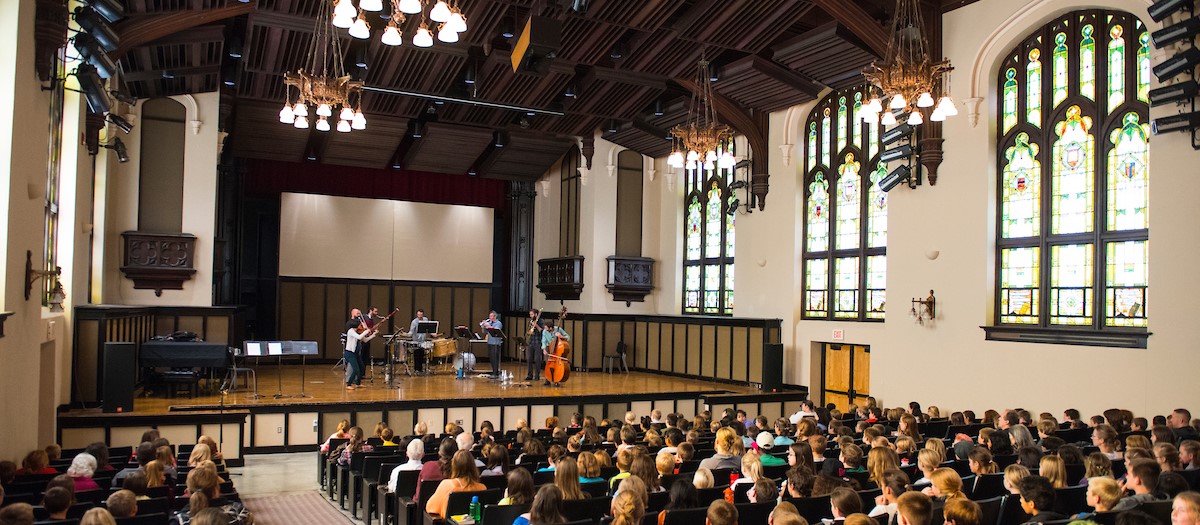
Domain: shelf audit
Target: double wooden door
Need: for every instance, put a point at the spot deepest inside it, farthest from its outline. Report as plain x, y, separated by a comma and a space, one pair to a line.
846, 374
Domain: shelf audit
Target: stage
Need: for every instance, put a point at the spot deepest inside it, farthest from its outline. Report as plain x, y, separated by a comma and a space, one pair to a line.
266, 423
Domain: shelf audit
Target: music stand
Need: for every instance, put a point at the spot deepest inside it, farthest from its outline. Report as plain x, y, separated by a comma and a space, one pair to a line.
278, 349
427, 327
256, 350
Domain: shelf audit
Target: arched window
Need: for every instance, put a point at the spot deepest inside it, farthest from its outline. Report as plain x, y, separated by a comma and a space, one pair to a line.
709, 241
845, 213
1073, 186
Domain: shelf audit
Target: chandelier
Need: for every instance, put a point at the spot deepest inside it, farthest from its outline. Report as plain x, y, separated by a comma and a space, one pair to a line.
322, 84
907, 81
449, 21
695, 142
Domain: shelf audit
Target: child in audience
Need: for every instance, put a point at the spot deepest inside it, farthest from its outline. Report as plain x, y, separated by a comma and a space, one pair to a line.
1142, 479
703, 479
36, 462
201, 453
57, 501
946, 484
913, 508
1037, 499
843, 501
566, 477
604, 460
1168, 457
764, 491
155, 476
136, 483
895, 484
851, 457
1188, 450
100, 517
1096, 465
214, 451
547, 507
519, 490
980, 462
53, 452
1105, 438
464, 476
340, 433
962, 512
1054, 469
1186, 509
1102, 495
624, 461
122, 504
643, 467
388, 435
720, 512
627, 508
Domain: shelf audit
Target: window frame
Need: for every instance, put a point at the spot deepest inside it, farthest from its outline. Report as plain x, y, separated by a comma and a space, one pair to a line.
697, 183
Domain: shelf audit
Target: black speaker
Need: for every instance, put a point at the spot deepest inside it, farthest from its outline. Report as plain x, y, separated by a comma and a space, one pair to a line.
120, 369
772, 377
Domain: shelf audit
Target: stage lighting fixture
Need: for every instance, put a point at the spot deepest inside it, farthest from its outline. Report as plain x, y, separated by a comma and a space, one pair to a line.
1177, 92
121, 123
507, 28
1187, 29
501, 140
123, 98
1177, 64
111, 10
418, 130
469, 74
713, 74
897, 153
118, 146
236, 43
229, 73
1180, 122
472, 172
658, 108
93, 89
94, 53
899, 132
1161, 9
579, 6
733, 207
616, 53
570, 91
612, 126
893, 179
737, 185
94, 24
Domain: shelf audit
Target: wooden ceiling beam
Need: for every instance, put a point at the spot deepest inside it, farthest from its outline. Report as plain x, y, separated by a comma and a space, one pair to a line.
861, 23
144, 30
179, 72
799, 81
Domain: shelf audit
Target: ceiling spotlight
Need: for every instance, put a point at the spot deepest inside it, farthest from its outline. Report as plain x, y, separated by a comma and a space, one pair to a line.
579, 6
229, 73
1177, 92
97, 26
1187, 29
1180, 122
93, 88
1177, 64
898, 175
123, 98
119, 147
111, 10
1161, 9
501, 140
87, 46
472, 173
713, 76
612, 126
507, 28
360, 57
121, 123
469, 74
615, 53
570, 91
897, 133
417, 129
168, 74
658, 108
235, 46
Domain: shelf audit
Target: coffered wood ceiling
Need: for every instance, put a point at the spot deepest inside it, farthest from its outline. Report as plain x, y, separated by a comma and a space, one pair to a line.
620, 57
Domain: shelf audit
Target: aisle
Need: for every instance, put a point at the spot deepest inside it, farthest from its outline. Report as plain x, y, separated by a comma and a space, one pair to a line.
297, 508
278, 489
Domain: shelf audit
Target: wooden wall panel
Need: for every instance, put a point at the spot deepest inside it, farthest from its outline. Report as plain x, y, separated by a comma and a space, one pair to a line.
756, 350
217, 330
462, 417
723, 350
337, 313
329, 422
379, 296
289, 310
402, 421
442, 311
268, 430
479, 306
632, 344
313, 315
614, 333
423, 298
708, 350
87, 350
679, 352
488, 414
693, 349
402, 298
461, 314
666, 343
300, 429
741, 353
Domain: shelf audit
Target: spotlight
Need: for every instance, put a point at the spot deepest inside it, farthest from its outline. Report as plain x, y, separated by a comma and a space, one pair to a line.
897, 153
894, 178
1174, 93
360, 57
168, 74
570, 91
235, 46
111, 10
1180, 122
1177, 64
123, 98
472, 172
579, 6
713, 76
612, 126
501, 140
94, 53
900, 132
118, 146
658, 108
94, 24
93, 89
507, 28
121, 123
1161, 9
417, 129
737, 185
733, 207
616, 53
1173, 33
310, 152
229, 73
469, 74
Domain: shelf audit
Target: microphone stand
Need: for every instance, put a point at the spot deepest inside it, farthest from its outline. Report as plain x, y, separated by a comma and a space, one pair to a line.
221, 426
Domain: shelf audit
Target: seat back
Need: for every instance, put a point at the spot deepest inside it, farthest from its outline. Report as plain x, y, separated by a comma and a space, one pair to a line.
597, 489
754, 513
709, 495
406, 484
502, 514
1073, 500
1159, 510
1013, 514
935, 428
460, 502
143, 519
590, 509
990, 510
658, 501
813, 509
428, 487
385, 471
689, 466
494, 482
868, 497
1004, 460
154, 506
988, 486
686, 516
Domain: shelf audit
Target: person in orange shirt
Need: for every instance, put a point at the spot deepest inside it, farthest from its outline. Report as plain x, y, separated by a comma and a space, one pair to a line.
464, 476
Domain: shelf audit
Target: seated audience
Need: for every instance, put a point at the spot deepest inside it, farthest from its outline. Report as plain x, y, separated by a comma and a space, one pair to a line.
82, 468
1168, 457
1142, 479
895, 483
913, 508
414, 451
99, 517
519, 489
17, 514
56, 501
627, 508
547, 508
1102, 495
343, 426
703, 479
204, 487
843, 502
122, 504
36, 462
1054, 469
464, 476
1037, 499
725, 453
945, 484
962, 512
721, 512
1185, 510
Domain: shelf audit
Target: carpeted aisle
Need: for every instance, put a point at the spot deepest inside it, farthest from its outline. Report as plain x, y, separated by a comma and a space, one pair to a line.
297, 508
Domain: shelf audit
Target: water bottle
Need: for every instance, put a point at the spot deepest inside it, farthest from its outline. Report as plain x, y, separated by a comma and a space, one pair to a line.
460, 372
476, 510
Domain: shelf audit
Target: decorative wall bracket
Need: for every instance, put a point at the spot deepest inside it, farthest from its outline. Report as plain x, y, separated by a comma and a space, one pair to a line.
158, 261
561, 278
630, 278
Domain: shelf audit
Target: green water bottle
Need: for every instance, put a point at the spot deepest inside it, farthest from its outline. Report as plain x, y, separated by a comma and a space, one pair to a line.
475, 510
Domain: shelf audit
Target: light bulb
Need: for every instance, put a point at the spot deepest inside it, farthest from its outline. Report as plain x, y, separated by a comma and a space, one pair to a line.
691, 165
915, 119
359, 121
947, 106
410, 7
346, 113
710, 165
870, 118
360, 29
440, 12
711, 156
898, 102
391, 35
423, 38
286, 115
370, 5
323, 110
447, 34
323, 124
344, 8
937, 115
344, 22
301, 122
692, 156
675, 160
343, 126
726, 161
888, 119
875, 106
925, 100
300, 110
458, 22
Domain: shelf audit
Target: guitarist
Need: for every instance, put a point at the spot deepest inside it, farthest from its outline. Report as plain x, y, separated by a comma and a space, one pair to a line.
533, 351
549, 334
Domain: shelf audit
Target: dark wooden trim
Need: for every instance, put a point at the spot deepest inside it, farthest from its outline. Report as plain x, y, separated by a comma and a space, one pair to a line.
1042, 335
859, 21
138, 31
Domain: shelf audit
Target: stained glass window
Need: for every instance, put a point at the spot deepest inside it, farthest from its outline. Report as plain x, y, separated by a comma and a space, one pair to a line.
1073, 194
709, 240
845, 214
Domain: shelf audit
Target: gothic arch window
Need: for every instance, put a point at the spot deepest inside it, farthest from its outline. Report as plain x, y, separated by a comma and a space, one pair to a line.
845, 213
708, 240
1073, 176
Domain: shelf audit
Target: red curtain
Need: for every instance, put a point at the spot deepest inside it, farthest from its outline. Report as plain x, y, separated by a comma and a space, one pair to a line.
269, 178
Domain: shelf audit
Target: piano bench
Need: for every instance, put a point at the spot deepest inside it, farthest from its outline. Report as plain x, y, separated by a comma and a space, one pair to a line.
177, 380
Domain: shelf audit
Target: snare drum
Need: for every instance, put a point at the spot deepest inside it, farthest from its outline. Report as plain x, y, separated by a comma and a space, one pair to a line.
444, 348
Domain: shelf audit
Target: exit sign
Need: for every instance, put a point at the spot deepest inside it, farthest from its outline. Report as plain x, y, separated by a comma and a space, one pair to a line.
839, 335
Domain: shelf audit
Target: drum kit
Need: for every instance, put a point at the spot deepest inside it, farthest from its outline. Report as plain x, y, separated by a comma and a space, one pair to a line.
422, 358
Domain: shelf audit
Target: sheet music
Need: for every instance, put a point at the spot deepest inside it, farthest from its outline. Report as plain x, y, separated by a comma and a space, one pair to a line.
275, 348
253, 349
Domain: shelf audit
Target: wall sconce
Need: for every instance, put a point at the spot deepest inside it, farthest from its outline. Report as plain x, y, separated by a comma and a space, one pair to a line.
57, 294
923, 309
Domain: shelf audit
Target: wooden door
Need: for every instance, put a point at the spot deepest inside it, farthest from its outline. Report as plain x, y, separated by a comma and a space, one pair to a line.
846, 374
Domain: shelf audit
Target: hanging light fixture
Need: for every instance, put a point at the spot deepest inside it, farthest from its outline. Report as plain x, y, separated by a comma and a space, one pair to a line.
321, 81
697, 140
442, 18
908, 80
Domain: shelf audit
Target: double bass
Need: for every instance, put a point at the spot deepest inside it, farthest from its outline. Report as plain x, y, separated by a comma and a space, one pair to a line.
558, 364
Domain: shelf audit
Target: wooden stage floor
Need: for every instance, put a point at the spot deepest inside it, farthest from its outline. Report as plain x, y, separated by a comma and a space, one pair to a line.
324, 386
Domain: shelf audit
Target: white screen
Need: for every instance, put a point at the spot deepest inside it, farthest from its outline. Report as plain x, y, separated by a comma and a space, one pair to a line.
346, 237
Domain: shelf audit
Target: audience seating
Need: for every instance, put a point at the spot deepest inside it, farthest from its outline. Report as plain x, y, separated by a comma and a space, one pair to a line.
658, 501
371, 486
989, 486
990, 510
587, 510
143, 519
502, 514
1070, 501
1159, 510
687, 516
754, 513
387, 503
1012, 513
460, 502
812, 509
